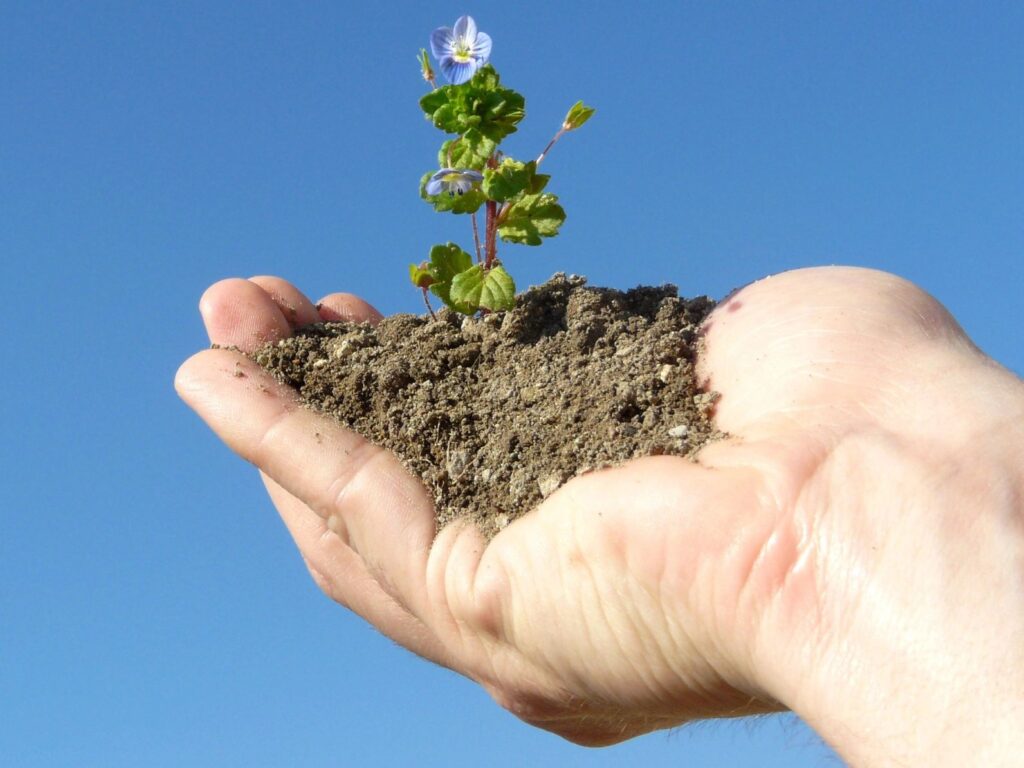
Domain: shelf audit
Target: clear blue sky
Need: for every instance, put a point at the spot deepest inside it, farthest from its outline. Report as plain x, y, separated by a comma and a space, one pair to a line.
152, 609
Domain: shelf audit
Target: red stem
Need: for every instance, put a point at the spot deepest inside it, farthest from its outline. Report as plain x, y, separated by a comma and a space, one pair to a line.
490, 244
491, 234
426, 300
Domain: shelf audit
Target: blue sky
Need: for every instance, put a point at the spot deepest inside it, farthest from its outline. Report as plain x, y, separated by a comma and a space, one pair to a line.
152, 609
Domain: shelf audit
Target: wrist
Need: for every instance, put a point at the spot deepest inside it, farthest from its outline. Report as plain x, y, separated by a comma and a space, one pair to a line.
934, 727
915, 653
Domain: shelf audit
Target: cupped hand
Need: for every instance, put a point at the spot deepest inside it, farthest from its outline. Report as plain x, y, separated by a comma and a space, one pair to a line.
847, 553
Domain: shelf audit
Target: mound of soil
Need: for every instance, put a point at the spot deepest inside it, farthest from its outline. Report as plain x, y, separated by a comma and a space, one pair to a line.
494, 413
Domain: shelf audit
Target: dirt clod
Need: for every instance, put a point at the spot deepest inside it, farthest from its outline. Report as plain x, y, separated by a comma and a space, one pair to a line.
495, 413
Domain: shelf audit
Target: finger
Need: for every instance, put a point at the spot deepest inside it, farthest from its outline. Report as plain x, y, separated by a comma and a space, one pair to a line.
296, 308
343, 577
239, 313
361, 490
346, 308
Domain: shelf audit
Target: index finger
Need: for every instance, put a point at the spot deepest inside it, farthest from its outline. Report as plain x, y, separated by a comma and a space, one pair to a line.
362, 491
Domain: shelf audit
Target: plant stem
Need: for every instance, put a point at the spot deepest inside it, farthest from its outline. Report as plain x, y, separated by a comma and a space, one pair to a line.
491, 244
476, 237
430, 309
491, 233
540, 158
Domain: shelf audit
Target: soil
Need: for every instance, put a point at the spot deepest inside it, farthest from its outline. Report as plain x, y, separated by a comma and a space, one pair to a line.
494, 413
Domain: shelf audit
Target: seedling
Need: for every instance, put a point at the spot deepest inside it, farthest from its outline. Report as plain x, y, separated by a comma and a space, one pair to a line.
473, 173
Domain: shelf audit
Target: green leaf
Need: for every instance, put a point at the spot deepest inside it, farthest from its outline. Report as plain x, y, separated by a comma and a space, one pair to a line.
420, 275
512, 177
448, 260
465, 203
468, 151
530, 218
499, 290
538, 182
578, 115
475, 288
481, 104
464, 291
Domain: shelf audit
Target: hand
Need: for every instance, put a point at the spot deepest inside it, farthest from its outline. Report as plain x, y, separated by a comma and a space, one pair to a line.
855, 551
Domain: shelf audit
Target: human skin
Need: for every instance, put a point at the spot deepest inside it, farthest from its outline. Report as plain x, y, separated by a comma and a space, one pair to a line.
853, 552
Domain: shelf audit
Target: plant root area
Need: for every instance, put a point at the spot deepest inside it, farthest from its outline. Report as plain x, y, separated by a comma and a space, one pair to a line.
495, 413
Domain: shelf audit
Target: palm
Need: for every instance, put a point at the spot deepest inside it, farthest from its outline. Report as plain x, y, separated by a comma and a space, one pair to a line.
640, 597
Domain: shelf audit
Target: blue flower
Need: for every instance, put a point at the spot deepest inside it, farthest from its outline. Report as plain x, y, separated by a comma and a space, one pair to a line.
461, 51
453, 181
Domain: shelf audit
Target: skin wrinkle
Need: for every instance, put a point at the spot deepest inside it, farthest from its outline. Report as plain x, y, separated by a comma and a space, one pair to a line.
360, 459
753, 576
569, 572
410, 493
340, 533
262, 454
294, 306
487, 603
601, 619
657, 655
659, 611
684, 640
697, 678
481, 628
722, 594
812, 334
652, 650
444, 569
333, 500
678, 635
450, 618
640, 603
516, 634
614, 628
619, 626
513, 632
